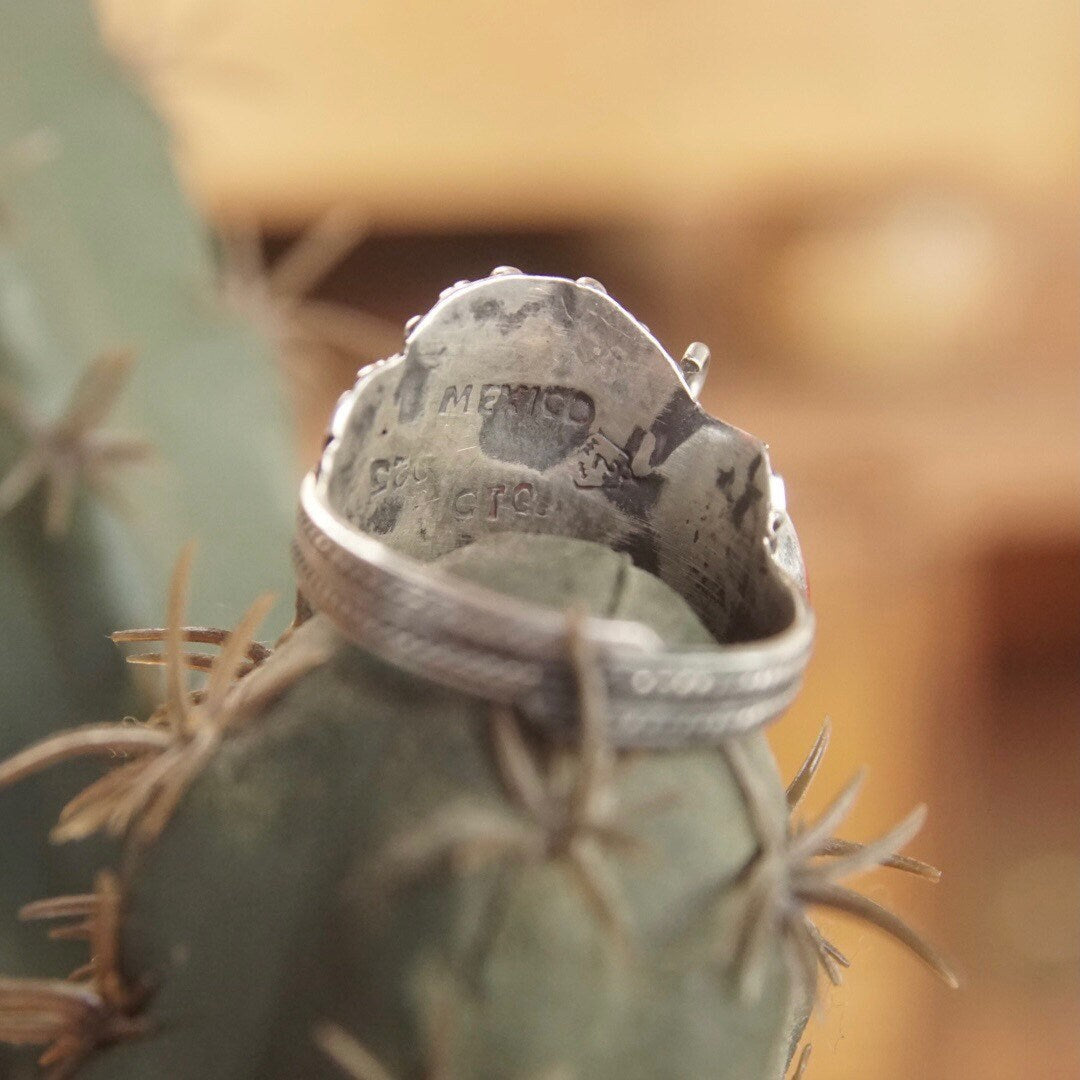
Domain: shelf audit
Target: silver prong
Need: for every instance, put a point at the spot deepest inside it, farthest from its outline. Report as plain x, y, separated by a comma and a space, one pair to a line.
411, 323
592, 283
777, 493
695, 366
500, 270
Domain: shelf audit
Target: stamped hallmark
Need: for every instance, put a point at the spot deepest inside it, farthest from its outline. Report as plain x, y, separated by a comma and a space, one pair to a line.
602, 463
557, 402
385, 473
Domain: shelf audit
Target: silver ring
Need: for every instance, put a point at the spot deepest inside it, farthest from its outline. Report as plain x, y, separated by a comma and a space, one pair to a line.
539, 405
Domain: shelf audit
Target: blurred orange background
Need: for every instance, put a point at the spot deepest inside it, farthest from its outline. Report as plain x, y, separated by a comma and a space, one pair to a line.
869, 211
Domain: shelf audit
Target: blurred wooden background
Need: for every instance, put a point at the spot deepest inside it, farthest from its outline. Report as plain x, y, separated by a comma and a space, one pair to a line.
869, 212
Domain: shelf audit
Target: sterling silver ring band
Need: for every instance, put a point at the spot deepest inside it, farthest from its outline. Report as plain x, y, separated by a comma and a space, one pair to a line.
481, 642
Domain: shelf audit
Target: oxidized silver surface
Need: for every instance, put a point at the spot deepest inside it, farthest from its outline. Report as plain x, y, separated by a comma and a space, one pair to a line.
539, 405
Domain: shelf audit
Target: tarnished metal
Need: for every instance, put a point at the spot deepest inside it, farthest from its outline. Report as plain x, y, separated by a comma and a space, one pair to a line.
694, 367
539, 405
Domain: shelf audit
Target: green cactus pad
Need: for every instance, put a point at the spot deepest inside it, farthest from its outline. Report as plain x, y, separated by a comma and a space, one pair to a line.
266, 906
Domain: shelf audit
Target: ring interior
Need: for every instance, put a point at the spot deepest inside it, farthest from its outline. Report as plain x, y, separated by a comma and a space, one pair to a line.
538, 405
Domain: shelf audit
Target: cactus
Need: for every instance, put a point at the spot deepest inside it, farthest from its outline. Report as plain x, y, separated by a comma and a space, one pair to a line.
119, 374
365, 868
100, 252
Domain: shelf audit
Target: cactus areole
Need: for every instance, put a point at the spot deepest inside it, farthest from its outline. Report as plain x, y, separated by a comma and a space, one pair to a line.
538, 405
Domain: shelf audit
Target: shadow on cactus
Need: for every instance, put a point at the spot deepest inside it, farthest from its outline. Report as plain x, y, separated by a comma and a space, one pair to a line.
355, 1061
566, 811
